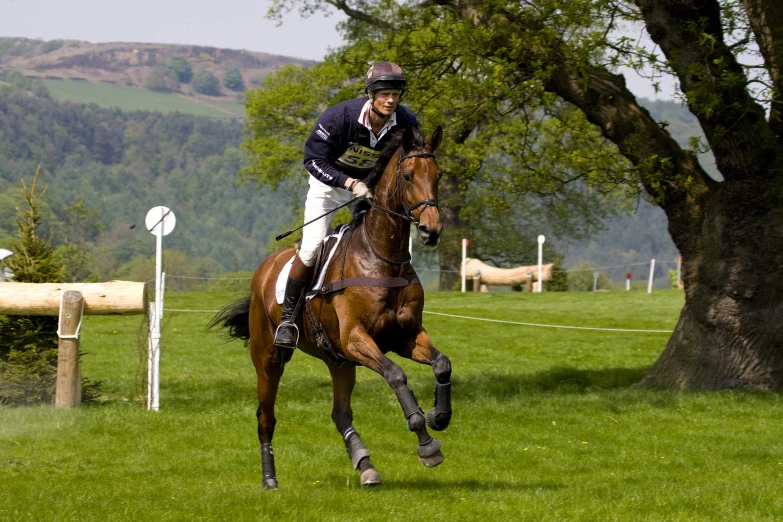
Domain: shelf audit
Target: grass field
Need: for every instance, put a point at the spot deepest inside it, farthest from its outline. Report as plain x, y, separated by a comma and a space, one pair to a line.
546, 427
129, 99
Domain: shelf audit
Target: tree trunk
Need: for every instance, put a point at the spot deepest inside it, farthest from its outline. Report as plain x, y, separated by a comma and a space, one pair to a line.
450, 247
730, 331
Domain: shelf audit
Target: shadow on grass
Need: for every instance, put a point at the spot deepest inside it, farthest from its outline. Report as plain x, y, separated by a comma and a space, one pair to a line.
559, 380
202, 394
470, 484
206, 394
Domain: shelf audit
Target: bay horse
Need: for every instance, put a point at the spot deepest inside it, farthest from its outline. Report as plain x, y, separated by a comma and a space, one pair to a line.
374, 307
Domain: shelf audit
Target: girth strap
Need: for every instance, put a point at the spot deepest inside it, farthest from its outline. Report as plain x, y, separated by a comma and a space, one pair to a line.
381, 282
321, 339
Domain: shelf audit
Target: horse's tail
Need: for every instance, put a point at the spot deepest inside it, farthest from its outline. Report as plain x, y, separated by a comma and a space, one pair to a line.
235, 317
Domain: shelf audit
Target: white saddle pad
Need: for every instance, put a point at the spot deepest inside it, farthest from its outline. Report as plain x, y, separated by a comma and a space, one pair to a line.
282, 279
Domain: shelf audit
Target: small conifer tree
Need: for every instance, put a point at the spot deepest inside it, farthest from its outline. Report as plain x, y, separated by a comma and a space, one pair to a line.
28, 344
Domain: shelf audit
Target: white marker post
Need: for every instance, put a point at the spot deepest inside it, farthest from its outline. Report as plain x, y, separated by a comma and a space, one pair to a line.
595, 281
160, 221
652, 271
679, 271
541, 240
628, 281
464, 260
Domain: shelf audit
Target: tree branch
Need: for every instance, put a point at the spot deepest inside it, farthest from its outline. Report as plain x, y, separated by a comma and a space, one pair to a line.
766, 20
343, 6
715, 85
670, 175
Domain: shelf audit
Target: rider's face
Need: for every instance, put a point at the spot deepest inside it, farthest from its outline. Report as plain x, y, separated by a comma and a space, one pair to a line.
385, 101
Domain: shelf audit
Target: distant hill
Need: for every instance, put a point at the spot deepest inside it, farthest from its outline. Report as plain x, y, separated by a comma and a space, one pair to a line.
140, 66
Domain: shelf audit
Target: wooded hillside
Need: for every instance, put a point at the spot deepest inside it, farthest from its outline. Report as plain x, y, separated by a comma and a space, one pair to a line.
106, 168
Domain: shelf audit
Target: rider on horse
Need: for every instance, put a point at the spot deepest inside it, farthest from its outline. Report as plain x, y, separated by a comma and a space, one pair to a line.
341, 150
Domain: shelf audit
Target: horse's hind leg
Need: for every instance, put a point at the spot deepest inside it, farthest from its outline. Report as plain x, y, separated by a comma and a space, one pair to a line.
424, 352
363, 348
269, 370
343, 380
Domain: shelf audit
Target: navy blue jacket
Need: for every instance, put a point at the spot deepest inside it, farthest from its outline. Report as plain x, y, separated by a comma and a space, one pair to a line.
339, 146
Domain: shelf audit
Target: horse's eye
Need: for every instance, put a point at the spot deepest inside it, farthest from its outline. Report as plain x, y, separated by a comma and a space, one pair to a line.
407, 177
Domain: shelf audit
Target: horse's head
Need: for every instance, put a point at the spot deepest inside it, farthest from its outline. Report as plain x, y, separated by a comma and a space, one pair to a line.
418, 175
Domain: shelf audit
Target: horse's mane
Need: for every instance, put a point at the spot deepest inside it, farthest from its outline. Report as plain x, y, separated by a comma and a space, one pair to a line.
372, 179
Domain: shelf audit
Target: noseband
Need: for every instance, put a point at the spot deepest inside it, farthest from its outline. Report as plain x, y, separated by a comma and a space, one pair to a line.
407, 210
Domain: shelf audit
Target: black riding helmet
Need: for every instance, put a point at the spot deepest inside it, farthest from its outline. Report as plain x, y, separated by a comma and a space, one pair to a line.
384, 75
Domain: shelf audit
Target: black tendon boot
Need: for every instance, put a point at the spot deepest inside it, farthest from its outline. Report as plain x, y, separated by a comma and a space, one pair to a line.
287, 333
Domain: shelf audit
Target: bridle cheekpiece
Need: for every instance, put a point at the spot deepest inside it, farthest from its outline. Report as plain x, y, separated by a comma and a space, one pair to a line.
407, 210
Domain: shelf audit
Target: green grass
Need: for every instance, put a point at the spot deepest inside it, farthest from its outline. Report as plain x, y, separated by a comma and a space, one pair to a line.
129, 99
238, 108
546, 426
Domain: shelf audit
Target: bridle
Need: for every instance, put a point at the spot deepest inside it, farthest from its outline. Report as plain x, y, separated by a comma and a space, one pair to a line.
407, 214
407, 210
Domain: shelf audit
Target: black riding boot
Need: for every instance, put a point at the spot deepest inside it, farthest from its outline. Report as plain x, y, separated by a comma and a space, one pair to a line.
287, 333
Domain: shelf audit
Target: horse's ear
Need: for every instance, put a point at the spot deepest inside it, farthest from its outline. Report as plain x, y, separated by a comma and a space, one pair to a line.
436, 138
408, 138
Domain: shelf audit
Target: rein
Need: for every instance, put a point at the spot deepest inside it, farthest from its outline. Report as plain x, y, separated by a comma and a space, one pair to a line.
407, 210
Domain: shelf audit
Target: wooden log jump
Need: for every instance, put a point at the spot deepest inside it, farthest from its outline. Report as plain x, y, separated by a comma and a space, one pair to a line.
71, 301
517, 276
112, 298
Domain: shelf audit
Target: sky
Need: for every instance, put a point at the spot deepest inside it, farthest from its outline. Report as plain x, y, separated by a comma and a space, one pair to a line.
232, 24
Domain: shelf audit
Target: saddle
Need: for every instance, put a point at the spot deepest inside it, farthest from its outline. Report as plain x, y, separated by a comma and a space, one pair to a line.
316, 332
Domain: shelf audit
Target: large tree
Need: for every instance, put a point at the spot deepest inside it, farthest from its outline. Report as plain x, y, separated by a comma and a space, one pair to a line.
729, 232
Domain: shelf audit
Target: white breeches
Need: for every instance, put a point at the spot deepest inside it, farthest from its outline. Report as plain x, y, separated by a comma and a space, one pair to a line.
321, 199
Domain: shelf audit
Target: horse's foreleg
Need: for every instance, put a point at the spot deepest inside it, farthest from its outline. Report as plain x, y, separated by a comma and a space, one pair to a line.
367, 352
343, 380
269, 372
424, 352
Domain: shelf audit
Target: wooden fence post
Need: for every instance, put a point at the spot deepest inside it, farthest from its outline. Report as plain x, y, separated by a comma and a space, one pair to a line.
69, 376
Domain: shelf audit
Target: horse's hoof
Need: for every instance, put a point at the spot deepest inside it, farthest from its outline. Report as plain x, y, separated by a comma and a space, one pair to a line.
370, 477
270, 483
428, 448
432, 420
433, 460
430, 454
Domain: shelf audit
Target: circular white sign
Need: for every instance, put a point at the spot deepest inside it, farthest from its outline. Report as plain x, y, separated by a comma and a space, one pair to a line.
541, 239
160, 220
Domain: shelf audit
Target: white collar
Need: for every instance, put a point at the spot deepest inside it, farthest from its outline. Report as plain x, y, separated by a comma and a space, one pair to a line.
364, 119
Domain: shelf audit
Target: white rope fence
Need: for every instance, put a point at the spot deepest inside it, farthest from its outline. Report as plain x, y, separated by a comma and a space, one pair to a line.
547, 325
466, 317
